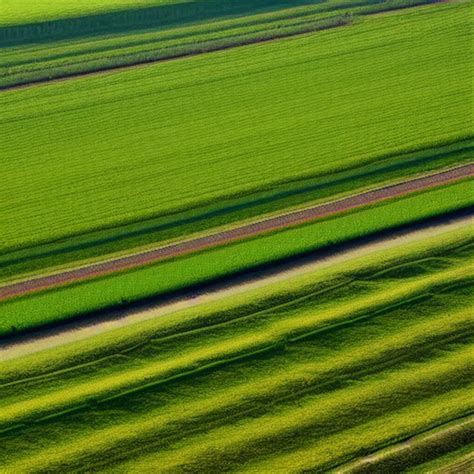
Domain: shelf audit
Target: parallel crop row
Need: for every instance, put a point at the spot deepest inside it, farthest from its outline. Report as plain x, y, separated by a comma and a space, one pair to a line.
79, 298
306, 375
45, 21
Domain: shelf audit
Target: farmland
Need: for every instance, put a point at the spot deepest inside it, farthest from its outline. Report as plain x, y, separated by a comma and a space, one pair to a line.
239, 365
203, 120
108, 291
236, 236
26, 63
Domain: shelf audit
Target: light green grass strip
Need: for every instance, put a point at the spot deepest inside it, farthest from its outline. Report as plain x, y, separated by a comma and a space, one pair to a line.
63, 303
292, 328
278, 384
265, 326
388, 429
442, 443
16, 12
225, 447
431, 331
44, 61
256, 300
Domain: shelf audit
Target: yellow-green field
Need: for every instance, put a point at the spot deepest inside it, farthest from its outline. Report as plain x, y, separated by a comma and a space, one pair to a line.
236, 236
309, 373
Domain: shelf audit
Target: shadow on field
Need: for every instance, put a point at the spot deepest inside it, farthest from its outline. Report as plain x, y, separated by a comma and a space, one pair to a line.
160, 16
191, 293
175, 12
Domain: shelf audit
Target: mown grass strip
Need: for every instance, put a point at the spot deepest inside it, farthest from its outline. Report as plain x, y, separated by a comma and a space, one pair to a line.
416, 450
289, 427
277, 387
457, 244
273, 334
27, 64
429, 339
391, 428
94, 246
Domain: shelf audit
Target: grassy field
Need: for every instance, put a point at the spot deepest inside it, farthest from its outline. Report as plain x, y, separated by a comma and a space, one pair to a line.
44, 21
43, 61
74, 300
356, 364
97, 245
97, 153
307, 374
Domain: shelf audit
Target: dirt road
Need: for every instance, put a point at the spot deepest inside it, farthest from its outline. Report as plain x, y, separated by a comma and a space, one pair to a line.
238, 233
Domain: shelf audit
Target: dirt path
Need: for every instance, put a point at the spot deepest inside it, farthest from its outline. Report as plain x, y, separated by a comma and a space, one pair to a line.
245, 231
76, 331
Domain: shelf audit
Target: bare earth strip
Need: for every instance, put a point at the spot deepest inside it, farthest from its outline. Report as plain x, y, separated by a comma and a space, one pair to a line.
225, 237
76, 331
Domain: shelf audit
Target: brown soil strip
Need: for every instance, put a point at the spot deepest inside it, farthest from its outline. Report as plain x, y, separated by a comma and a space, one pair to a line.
232, 235
78, 330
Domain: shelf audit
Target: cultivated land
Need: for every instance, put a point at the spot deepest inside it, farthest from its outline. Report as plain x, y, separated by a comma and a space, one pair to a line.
115, 289
191, 126
308, 374
257, 257
57, 335
24, 62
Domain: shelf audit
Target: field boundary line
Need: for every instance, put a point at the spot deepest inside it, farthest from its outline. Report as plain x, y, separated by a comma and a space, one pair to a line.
255, 229
71, 331
456, 426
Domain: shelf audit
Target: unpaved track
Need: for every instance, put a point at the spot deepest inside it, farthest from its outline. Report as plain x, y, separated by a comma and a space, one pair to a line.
76, 331
227, 236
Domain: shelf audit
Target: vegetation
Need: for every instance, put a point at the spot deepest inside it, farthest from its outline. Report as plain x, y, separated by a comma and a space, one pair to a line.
306, 374
446, 444
126, 134
359, 366
44, 21
95, 246
40, 62
74, 300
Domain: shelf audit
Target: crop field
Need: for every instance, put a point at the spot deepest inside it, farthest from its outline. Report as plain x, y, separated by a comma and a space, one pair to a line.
26, 63
205, 111
82, 297
308, 374
236, 236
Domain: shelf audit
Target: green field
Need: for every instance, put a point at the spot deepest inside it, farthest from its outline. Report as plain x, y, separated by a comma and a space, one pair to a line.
44, 20
122, 134
94, 246
17, 12
151, 321
306, 374
78, 299
26, 63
